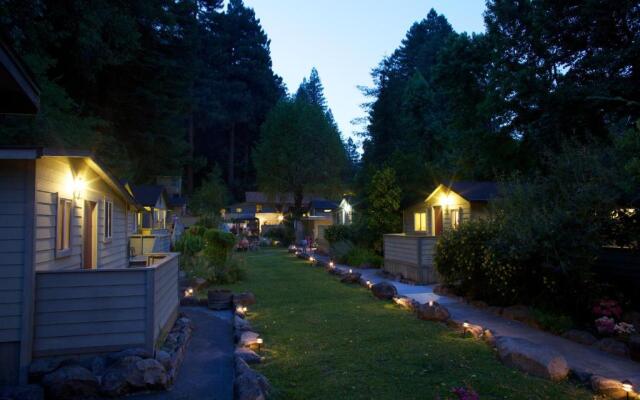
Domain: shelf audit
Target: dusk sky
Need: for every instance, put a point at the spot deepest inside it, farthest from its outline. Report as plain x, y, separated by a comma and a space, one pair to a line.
345, 39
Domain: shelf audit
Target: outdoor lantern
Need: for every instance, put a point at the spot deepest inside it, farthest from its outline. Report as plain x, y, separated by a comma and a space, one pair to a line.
259, 342
627, 386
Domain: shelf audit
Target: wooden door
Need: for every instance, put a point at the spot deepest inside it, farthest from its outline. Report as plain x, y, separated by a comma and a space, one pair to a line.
437, 220
89, 236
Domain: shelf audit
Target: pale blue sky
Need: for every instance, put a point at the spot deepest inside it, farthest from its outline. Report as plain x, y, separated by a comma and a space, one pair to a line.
345, 39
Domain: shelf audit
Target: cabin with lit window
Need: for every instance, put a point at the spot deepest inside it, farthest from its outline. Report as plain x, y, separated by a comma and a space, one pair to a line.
343, 215
151, 230
67, 287
410, 254
317, 217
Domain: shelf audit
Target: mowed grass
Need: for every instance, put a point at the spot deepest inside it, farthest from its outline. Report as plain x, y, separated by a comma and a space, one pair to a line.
327, 340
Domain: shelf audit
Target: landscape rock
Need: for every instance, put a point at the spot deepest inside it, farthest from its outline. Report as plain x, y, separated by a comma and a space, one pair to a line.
384, 290
248, 384
244, 299
520, 313
133, 374
165, 359
613, 346
489, 337
471, 330
241, 324
248, 338
579, 336
406, 303
609, 387
249, 356
353, 277
434, 312
22, 392
532, 358
42, 366
70, 382
132, 352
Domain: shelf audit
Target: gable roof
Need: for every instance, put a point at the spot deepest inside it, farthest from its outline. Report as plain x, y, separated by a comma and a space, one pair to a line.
148, 195
323, 204
471, 190
33, 153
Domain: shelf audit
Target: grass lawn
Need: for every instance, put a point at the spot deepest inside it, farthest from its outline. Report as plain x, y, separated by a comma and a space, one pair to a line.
326, 340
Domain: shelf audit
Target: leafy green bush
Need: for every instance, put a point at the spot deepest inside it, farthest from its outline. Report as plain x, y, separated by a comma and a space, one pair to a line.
339, 233
284, 234
553, 322
189, 244
218, 246
361, 257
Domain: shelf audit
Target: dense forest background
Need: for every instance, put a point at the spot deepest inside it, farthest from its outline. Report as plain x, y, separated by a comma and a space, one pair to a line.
183, 87
153, 87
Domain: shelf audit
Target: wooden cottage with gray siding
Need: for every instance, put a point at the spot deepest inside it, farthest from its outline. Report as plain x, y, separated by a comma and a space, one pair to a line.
410, 254
66, 284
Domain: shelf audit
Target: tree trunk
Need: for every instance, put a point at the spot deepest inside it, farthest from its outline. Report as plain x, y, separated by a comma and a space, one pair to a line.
189, 171
297, 215
232, 161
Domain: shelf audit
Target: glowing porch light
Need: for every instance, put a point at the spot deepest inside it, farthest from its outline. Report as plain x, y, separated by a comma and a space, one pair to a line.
76, 185
446, 200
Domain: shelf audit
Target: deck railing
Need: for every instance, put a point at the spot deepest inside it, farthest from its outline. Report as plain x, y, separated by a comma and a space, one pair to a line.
102, 310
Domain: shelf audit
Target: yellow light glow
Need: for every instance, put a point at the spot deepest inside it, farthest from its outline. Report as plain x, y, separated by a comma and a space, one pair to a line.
627, 386
465, 324
446, 200
369, 284
75, 185
312, 259
331, 264
280, 218
259, 341
347, 208
431, 303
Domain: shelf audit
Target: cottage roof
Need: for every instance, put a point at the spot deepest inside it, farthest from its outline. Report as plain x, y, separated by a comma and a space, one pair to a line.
19, 93
323, 204
32, 153
471, 190
278, 198
147, 195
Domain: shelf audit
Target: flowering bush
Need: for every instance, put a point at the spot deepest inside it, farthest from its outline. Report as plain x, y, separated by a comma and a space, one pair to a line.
605, 325
607, 308
624, 328
465, 393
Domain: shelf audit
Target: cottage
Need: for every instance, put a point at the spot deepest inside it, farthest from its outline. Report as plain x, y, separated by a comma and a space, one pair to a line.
410, 254
150, 232
317, 217
343, 215
66, 284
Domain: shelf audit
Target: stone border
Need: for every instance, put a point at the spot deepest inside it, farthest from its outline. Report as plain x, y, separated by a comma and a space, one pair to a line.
111, 375
533, 359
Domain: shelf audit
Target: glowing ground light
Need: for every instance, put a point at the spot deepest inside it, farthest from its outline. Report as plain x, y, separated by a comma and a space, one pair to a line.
369, 284
465, 325
259, 342
627, 386
188, 292
430, 303
312, 259
350, 271
331, 264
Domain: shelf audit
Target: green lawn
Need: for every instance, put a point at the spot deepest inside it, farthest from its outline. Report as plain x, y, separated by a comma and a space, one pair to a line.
326, 340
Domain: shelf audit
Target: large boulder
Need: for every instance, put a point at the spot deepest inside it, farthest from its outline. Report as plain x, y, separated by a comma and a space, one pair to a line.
249, 356
132, 352
579, 336
610, 388
613, 346
406, 303
384, 290
433, 312
42, 366
351, 277
248, 384
241, 324
132, 374
244, 299
22, 392
535, 359
70, 382
248, 338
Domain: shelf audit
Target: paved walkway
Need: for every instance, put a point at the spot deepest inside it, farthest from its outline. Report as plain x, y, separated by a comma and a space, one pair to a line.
582, 359
207, 371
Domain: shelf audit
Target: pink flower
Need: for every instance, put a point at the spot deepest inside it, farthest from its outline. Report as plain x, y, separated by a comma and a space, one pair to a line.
464, 393
605, 325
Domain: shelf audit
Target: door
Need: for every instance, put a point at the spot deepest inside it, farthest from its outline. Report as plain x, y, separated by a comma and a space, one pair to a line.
90, 236
437, 220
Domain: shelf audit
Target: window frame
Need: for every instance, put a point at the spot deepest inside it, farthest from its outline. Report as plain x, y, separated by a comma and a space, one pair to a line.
455, 222
64, 220
420, 221
107, 221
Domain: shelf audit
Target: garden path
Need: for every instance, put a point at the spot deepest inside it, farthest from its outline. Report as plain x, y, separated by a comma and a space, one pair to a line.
582, 359
207, 371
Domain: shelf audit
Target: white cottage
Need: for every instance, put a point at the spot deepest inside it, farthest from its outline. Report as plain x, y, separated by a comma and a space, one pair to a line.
66, 285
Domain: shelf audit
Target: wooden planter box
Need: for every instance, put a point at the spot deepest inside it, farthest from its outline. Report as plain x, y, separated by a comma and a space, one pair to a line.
410, 256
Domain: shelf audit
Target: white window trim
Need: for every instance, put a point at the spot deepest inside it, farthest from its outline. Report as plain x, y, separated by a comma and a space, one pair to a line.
107, 231
63, 252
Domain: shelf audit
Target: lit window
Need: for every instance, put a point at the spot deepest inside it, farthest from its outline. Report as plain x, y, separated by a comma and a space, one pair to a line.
420, 221
63, 227
108, 218
238, 210
456, 218
258, 208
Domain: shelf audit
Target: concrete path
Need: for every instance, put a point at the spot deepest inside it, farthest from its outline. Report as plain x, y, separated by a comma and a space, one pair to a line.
207, 371
582, 359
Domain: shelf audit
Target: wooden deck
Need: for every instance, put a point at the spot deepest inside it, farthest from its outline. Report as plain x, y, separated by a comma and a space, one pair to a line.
94, 311
410, 256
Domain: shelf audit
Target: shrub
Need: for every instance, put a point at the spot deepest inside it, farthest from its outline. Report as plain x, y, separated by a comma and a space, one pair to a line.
218, 246
339, 233
284, 234
553, 322
361, 257
189, 244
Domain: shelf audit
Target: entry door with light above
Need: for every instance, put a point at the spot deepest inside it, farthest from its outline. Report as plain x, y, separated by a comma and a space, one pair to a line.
437, 220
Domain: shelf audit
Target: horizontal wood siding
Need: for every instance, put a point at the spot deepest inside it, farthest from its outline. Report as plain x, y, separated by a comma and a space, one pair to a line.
166, 293
401, 248
12, 247
86, 311
53, 177
410, 257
